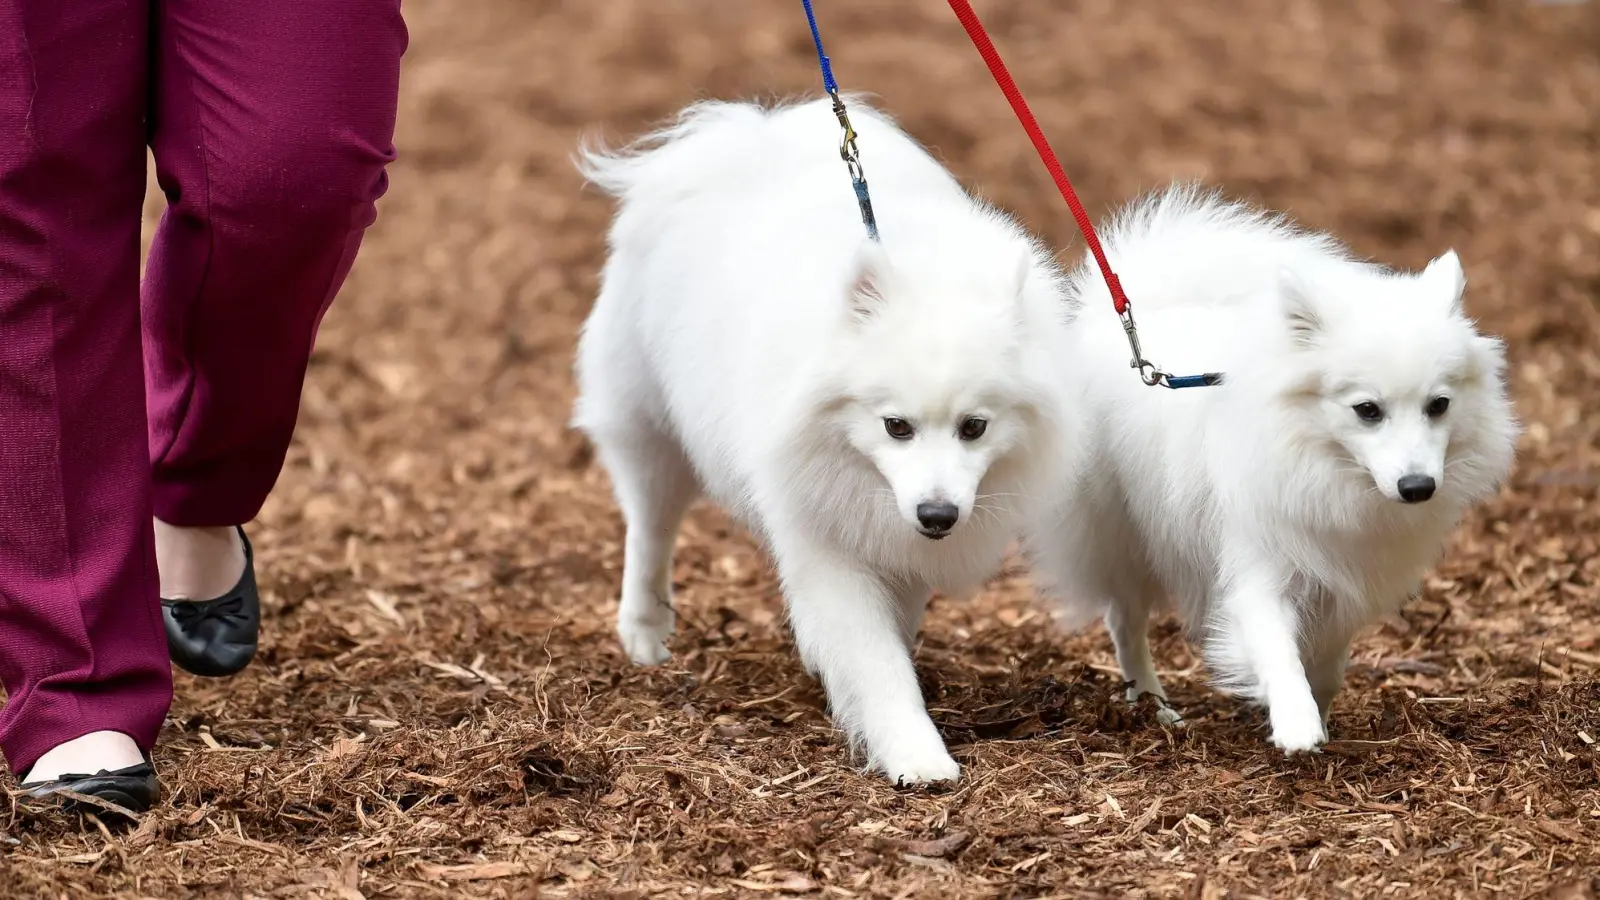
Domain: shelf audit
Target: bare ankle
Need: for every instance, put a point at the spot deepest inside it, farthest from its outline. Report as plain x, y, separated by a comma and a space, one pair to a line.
86, 755
198, 563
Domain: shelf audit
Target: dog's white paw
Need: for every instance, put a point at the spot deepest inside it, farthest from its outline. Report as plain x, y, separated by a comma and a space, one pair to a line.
645, 640
1297, 727
933, 764
1166, 715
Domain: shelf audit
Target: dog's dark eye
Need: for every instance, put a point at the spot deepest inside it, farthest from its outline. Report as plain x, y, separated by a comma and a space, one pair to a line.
899, 429
1437, 406
973, 428
1369, 411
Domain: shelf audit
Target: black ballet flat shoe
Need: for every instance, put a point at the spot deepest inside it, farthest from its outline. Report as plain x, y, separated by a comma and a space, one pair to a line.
216, 638
106, 794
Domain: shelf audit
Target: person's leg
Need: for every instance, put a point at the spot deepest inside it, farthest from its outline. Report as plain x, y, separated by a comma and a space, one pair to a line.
81, 644
273, 124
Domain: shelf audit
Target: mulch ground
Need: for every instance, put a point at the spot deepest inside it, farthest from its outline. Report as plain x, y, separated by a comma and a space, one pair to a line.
441, 709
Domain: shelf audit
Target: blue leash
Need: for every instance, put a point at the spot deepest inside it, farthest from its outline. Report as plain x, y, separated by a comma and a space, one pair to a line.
847, 147
828, 84
1187, 381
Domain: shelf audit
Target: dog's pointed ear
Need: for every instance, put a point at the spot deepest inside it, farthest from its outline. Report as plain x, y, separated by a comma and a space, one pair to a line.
1445, 280
1021, 271
1488, 355
1023, 267
869, 279
1299, 307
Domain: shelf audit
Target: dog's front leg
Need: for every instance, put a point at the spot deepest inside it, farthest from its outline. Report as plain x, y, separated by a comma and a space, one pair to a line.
847, 625
1258, 640
911, 600
1129, 623
1325, 670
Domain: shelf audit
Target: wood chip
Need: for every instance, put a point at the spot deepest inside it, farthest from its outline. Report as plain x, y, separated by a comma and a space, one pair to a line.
471, 872
938, 848
794, 885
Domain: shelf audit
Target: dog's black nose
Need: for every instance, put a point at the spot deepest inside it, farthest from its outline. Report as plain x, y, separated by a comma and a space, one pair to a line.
1415, 488
937, 517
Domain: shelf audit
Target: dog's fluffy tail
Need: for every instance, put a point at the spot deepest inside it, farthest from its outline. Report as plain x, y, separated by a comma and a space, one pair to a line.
668, 154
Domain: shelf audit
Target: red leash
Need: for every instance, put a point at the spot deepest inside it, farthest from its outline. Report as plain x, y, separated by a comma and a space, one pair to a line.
1148, 372
997, 68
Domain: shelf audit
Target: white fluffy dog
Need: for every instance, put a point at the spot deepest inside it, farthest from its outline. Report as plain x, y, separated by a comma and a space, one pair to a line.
878, 415
1284, 510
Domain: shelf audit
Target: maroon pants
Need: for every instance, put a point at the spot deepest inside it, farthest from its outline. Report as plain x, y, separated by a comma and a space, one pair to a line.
271, 122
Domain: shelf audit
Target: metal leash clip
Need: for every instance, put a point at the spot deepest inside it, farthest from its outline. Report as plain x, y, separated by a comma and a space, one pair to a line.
1147, 370
852, 160
1149, 373
847, 145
